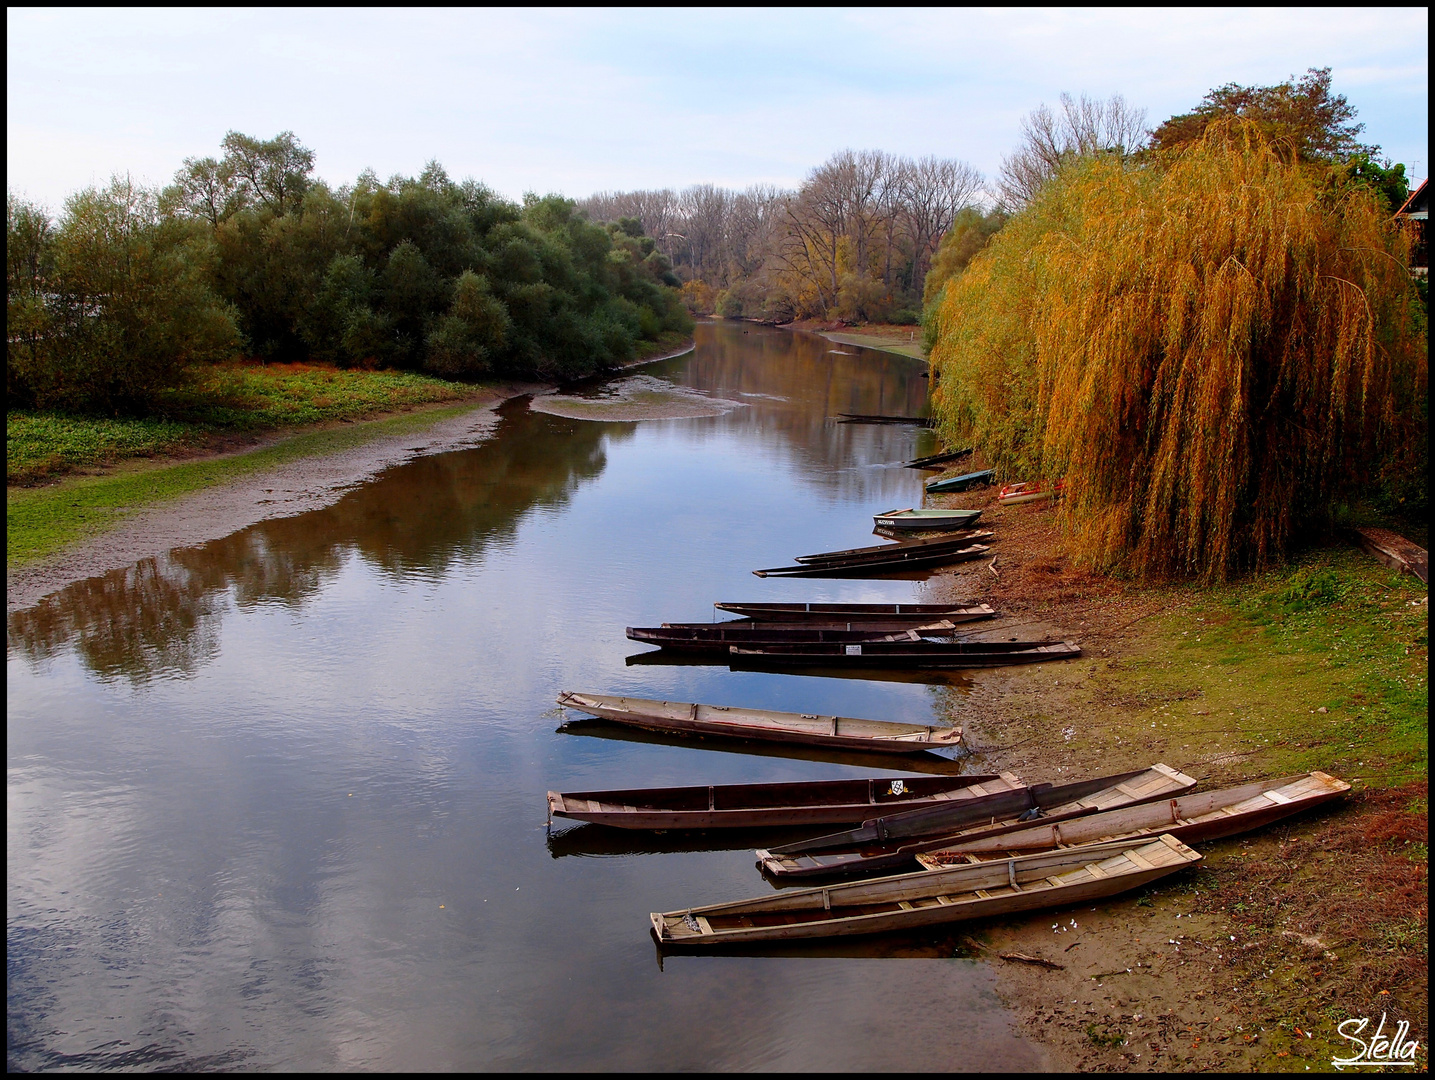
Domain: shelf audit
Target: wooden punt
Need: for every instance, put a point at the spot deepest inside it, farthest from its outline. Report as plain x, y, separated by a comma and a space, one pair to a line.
961, 483
869, 567
1192, 819
925, 625
928, 898
870, 418
807, 729
882, 551
891, 843
719, 637
966, 611
751, 806
909, 518
936, 461
902, 654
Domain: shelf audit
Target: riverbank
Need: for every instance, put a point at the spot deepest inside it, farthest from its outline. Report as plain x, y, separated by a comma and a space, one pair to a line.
1250, 961
884, 337
114, 515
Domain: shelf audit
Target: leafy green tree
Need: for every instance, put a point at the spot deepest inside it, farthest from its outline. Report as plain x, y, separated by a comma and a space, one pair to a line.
274, 172
127, 305
1299, 114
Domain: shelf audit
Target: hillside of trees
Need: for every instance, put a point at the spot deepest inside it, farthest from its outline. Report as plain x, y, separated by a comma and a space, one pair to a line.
247, 254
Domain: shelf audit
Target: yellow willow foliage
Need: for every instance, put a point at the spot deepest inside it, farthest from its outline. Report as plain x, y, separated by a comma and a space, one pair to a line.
1210, 349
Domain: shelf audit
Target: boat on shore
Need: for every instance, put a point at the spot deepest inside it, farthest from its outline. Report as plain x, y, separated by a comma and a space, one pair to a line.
752, 806
718, 637
1012, 494
809, 729
892, 843
1050, 879
802, 612
866, 566
1192, 819
961, 483
946, 541
936, 461
926, 625
904, 654
946, 520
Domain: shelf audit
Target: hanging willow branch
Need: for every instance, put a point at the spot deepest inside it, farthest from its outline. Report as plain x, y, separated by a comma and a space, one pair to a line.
1201, 346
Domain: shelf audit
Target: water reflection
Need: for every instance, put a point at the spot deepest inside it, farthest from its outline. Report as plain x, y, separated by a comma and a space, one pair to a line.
276, 802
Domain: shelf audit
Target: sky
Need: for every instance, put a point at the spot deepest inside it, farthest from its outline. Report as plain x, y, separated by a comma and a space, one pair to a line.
586, 100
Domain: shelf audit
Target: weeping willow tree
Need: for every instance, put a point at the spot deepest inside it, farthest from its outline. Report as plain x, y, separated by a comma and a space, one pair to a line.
1212, 349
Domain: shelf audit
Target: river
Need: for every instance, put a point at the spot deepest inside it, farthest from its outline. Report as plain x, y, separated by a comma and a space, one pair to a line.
276, 802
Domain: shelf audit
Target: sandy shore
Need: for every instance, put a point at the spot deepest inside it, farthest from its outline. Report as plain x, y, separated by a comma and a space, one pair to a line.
295, 487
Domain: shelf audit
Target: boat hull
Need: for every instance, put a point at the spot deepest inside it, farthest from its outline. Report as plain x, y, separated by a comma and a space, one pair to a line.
754, 806
776, 612
689, 718
933, 520
907, 902
898, 654
867, 567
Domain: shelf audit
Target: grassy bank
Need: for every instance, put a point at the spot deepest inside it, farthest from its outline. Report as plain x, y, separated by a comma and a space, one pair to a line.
225, 399
40, 521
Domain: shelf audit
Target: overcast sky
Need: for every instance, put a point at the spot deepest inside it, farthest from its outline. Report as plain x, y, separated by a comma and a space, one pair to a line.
577, 101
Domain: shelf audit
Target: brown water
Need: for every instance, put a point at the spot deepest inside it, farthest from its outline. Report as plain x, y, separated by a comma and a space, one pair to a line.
277, 802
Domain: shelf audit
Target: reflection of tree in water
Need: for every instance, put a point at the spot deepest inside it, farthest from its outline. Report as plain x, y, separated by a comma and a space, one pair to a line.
758, 364
161, 616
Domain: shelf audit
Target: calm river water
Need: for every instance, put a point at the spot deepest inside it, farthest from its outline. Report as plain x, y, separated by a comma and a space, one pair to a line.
277, 802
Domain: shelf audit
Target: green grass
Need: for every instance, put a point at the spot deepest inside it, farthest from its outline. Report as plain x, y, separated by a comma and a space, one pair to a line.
224, 398
1337, 632
41, 521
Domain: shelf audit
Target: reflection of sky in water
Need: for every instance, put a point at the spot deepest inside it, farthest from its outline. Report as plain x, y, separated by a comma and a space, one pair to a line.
278, 801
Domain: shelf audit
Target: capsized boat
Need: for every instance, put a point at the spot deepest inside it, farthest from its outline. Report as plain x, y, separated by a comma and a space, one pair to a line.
808, 729
961, 483
751, 806
892, 843
1192, 819
962, 611
927, 519
1050, 879
871, 418
902, 654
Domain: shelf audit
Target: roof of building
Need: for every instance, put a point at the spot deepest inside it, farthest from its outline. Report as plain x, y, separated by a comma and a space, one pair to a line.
1418, 205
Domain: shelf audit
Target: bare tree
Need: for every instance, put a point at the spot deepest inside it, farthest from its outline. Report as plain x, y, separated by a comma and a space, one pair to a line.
934, 192
1084, 127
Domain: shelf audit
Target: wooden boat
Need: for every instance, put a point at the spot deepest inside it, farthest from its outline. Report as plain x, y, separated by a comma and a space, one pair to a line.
1192, 819
928, 898
752, 806
947, 520
904, 654
807, 729
867, 418
803, 612
953, 540
925, 625
717, 637
900, 561
1011, 494
963, 482
936, 461
891, 844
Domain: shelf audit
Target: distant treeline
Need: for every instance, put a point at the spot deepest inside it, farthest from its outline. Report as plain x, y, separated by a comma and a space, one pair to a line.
855, 241
247, 254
